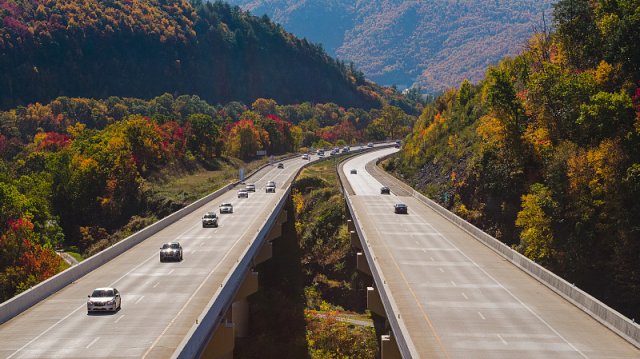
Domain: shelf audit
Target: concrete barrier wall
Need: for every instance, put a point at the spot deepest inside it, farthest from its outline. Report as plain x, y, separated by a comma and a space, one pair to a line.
199, 335
618, 323
400, 331
613, 320
34, 295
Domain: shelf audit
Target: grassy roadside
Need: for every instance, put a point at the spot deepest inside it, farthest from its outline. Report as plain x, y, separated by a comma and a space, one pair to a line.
169, 191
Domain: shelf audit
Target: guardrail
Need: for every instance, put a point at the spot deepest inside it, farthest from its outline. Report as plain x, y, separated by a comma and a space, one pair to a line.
42, 290
403, 340
609, 317
200, 333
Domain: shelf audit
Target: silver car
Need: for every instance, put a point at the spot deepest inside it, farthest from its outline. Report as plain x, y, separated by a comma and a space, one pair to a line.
243, 193
210, 219
226, 208
103, 300
172, 251
250, 188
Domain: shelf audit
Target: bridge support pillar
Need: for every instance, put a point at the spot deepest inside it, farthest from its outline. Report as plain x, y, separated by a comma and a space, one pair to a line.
266, 252
222, 343
355, 240
362, 265
389, 347
374, 303
240, 306
350, 225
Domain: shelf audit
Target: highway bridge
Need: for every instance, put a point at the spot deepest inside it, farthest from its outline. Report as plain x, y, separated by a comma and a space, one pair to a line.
444, 293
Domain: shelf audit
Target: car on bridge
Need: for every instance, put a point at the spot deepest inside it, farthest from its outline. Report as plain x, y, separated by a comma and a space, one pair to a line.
280, 165
271, 187
226, 208
243, 193
104, 300
305, 157
171, 250
250, 188
370, 144
210, 219
385, 190
354, 171
401, 208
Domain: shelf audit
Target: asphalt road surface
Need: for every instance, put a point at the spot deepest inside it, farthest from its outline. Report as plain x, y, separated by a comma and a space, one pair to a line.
458, 298
160, 301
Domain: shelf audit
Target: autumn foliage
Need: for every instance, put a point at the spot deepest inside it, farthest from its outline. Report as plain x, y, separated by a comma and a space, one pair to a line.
545, 150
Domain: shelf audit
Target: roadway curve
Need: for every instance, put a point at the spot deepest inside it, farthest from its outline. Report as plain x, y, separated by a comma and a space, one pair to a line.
456, 297
160, 301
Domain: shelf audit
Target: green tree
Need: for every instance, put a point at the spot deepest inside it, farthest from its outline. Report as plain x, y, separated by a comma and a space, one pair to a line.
535, 223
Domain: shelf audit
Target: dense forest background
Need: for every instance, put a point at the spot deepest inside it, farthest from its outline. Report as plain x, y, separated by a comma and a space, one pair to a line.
75, 173
545, 152
97, 49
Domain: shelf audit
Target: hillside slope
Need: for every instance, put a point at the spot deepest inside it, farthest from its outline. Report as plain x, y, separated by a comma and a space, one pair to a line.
96, 49
436, 43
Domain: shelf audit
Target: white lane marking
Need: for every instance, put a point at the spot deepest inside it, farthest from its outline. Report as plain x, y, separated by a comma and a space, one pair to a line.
441, 270
186, 304
139, 299
171, 271
501, 338
465, 296
119, 318
424, 250
514, 296
92, 342
433, 260
418, 243
197, 224
453, 283
482, 316
201, 244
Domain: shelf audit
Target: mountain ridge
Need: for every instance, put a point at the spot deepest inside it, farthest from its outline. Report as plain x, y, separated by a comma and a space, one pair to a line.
448, 41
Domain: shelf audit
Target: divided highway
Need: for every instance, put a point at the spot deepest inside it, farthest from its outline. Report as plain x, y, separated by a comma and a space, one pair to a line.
160, 301
457, 298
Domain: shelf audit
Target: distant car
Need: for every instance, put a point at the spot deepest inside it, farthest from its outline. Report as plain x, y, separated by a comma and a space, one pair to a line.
354, 171
385, 190
226, 208
103, 300
270, 187
321, 154
305, 157
400, 208
280, 165
171, 250
397, 145
346, 149
250, 188
210, 219
243, 193
370, 144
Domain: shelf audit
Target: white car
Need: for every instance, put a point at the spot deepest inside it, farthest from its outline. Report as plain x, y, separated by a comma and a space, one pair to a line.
103, 300
250, 188
370, 144
243, 193
305, 157
226, 208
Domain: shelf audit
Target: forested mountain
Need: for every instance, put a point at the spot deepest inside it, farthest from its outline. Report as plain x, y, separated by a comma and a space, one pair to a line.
96, 49
545, 153
436, 43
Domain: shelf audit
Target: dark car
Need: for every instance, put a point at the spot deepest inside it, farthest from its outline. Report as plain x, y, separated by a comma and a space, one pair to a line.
210, 219
354, 171
280, 165
172, 251
400, 208
385, 190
